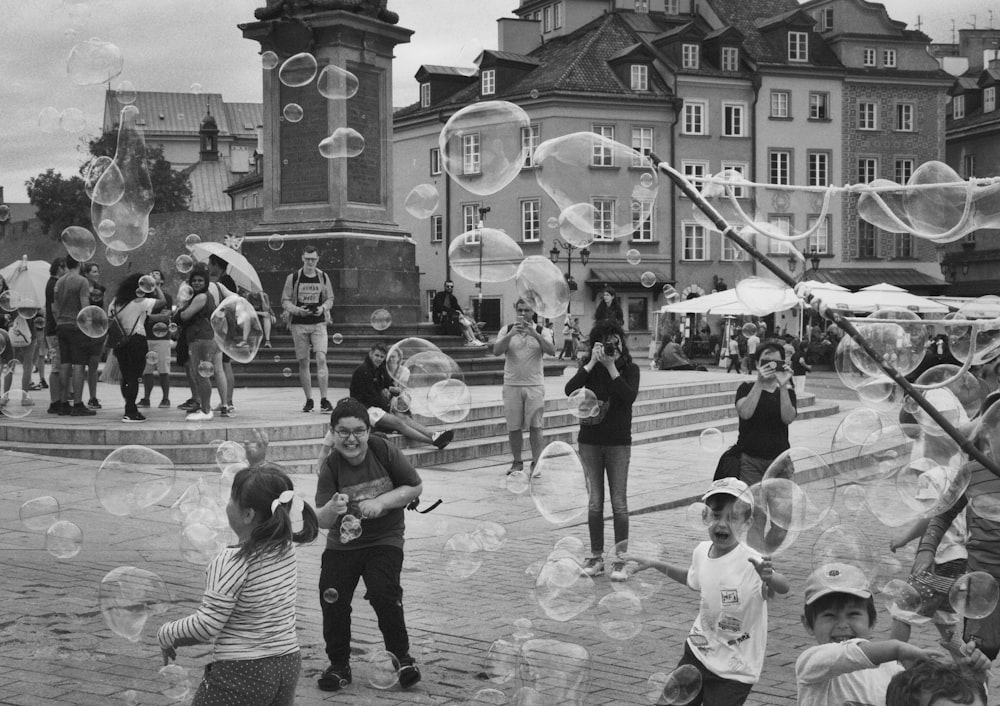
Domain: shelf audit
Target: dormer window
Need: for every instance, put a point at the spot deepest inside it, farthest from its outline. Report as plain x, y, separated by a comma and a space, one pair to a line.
958, 107
690, 56
642, 6
640, 77
557, 12
889, 58
489, 82
826, 19
425, 95
869, 58
990, 99
672, 7
547, 22
730, 59
798, 46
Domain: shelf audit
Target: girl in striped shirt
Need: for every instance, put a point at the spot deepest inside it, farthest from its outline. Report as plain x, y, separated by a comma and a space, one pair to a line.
249, 604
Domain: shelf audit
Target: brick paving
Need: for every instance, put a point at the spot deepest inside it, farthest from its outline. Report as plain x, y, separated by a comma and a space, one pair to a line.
55, 648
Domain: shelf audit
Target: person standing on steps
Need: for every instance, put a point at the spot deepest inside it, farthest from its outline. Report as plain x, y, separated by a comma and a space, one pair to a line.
70, 295
308, 298
158, 343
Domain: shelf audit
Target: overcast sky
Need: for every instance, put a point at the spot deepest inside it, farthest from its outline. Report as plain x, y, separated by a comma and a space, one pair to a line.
169, 45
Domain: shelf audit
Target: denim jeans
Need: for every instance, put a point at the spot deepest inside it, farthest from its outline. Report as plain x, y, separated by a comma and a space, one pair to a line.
613, 461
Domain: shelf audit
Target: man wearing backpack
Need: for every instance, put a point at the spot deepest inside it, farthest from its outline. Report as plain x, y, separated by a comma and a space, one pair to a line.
308, 298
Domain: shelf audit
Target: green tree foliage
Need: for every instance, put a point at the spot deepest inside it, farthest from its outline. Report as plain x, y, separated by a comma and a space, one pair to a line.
63, 202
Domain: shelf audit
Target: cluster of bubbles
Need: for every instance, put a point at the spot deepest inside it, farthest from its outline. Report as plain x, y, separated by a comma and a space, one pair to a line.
63, 539
432, 384
51, 120
464, 552
350, 528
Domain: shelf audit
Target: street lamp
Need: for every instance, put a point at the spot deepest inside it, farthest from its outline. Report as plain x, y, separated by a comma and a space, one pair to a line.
569, 248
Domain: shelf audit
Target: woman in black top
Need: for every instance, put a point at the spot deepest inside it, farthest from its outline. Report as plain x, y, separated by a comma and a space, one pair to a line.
610, 309
92, 272
766, 407
605, 439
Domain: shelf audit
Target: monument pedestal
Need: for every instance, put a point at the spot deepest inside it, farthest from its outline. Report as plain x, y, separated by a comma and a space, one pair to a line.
342, 206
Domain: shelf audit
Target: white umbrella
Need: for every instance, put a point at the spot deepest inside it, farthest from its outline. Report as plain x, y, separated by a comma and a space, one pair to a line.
887, 296
725, 303
240, 269
27, 279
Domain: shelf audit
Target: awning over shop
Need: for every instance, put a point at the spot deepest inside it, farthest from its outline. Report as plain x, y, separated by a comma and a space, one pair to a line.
974, 288
855, 278
627, 278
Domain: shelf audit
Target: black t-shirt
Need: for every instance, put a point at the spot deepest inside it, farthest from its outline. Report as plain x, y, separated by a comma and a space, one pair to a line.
50, 295
616, 396
159, 309
764, 435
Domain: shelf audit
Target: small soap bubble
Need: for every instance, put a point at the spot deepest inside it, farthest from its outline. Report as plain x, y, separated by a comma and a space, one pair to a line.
298, 70
534, 94
268, 60
276, 241
517, 482
184, 263
380, 319
563, 590
38, 514
543, 286
422, 201
92, 321
205, 369
174, 682
287, 372
330, 595
94, 62
382, 670
336, 83
184, 293
463, 555
974, 595
697, 516
712, 439
680, 687
499, 667
63, 540
344, 142
749, 329
558, 488
633, 256
48, 120
197, 89
619, 615
236, 329
152, 358
15, 404
583, 403
72, 121
125, 93
337, 338
132, 478
106, 229
191, 240
292, 112
147, 284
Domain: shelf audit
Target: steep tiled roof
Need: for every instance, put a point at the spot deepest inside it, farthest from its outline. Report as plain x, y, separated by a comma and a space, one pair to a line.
747, 18
181, 113
511, 56
209, 181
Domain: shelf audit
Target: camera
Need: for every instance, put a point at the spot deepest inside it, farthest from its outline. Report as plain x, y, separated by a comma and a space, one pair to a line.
780, 367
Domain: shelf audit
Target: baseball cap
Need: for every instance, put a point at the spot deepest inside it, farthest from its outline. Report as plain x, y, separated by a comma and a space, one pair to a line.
836, 578
725, 486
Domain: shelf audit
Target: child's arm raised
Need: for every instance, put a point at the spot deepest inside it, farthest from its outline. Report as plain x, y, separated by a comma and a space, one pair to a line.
677, 573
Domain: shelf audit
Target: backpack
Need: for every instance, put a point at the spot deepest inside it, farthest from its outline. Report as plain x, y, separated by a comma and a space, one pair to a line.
286, 316
117, 338
20, 332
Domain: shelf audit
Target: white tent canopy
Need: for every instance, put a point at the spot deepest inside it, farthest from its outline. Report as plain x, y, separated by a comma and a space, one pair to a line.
888, 296
726, 303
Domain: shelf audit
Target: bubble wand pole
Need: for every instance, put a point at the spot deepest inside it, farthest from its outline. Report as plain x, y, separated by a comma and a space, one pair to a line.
847, 326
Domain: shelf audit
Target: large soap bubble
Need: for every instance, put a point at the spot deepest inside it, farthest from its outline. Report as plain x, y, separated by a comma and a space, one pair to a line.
846, 544
92, 321
336, 83
974, 595
130, 213
38, 514
481, 146
237, 329
572, 169
63, 539
429, 384
298, 70
760, 515
807, 492
559, 489
79, 243
966, 388
554, 672
402, 351
449, 400
542, 286
94, 62
762, 296
128, 597
576, 224
132, 478
901, 345
422, 201
620, 615
979, 340
563, 590
679, 687
485, 255
342, 142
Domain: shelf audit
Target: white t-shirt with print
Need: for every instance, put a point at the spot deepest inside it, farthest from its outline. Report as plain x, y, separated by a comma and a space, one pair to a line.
841, 673
729, 636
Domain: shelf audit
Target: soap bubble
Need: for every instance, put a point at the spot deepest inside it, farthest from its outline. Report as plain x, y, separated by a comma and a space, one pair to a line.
129, 213
500, 663
712, 440
125, 93
805, 494
633, 256
422, 201
298, 70
620, 615
558, 489
184, 292
576, 224
553, 672
763, 296
901, 596
132, 478
846, 544
92, 321
4, 213
974, 595
980, 340
337, 339
966, 387
424, 371
757, 517
106, 229
647, 279
16, 403
276, 241
670, 294
697, 516
749, 329
517, 482
268, 60
336, 83
463, 556
237, 329
491, 536
485, 255
286, 372
643, 584
199, 543
63, 540
449, 400
481, 146
583, 403
38, 514
855, 428
330, 595
94, 62
174, 682
563, 590
206, 369
679, 687
901, 346
191, 240
103, 181
48, 120
469, 57
383, 669
542, 286
147, 284
184, 263
380, 319
344, 142
128, 597
400, 352
228, 453
292, 112
72, 120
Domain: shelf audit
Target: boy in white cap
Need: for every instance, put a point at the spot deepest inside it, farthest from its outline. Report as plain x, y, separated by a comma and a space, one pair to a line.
729, 637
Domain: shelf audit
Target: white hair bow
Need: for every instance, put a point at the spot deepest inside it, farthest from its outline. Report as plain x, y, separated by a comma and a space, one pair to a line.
295, 511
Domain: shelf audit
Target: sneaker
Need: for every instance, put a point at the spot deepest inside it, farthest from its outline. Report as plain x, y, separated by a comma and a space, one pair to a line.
618, 571
324, 405
308, 406
443, 439
515, 467
54, 408
134, 417
65, 409
94, 404
44, 385
223, 410
267, 344
594, 566
335, 678
36, 386
144, 402
81, 410
409, 674
197, 416
165, 403
230, 411
189, 405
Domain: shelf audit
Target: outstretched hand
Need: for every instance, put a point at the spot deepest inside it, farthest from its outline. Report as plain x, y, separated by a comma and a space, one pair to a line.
256, 448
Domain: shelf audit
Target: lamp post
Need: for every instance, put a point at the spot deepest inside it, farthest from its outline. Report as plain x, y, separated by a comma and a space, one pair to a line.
569, 248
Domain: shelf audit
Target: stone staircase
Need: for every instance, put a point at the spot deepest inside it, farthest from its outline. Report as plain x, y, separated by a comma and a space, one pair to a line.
681, 409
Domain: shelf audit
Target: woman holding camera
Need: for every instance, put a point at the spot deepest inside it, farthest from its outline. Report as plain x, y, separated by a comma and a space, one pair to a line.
605, 438
765, 407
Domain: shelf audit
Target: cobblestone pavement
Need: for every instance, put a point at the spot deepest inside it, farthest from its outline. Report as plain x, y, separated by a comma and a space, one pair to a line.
55, 648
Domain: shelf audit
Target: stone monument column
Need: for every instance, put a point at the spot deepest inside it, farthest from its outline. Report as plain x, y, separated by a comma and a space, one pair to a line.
342, 205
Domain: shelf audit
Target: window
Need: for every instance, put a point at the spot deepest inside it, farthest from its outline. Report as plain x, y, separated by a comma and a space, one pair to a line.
867, 170
640, 77
969, 166
695, 172
732, 119
780, 101
730, 59
889, 58
868, 57
642, 220
902, 246
779, 167
638, 314
867, 236
557, 15
529, 143
989, 99
904, 117
246, 200
642, 6
470, 218
693, 122
798, 46
819, 168
425, 95
547, 21
731, 252
673, 7
642, 142
437, 229
531, 220
489, 82
902, 170
689, 56
782, 224
604, 218
826, 19
819, 106
602, 155
435, 161
470, 154
819, 242
958, 107
742, 168
867, 116
695, 242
